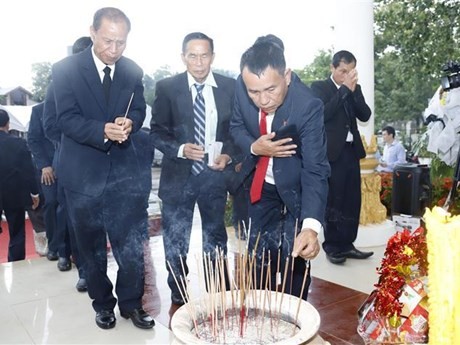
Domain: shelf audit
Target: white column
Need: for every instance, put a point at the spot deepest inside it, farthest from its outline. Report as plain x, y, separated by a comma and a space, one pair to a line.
354, 31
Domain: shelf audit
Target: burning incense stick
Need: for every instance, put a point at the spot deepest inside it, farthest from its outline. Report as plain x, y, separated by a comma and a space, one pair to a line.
249, 303
126, 113
307, 268
293, 259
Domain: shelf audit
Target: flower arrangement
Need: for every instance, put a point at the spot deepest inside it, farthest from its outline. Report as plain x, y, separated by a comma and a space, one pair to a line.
386, 190
441, 188
396, 312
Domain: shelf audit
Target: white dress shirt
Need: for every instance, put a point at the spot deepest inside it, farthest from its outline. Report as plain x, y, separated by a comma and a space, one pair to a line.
210, 107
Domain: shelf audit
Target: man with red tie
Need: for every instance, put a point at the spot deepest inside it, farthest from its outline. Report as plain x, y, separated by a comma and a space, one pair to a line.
278, 124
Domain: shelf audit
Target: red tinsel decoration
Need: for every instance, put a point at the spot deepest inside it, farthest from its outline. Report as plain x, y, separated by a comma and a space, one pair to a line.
405, 258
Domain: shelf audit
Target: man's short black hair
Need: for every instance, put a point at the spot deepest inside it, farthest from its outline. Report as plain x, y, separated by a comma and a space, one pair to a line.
4, 118
272, 39
343, 56
263, 55
81, 44
389, 130
113, 14
197, 36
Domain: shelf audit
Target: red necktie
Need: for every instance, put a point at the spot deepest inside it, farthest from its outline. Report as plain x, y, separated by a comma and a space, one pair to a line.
262, 165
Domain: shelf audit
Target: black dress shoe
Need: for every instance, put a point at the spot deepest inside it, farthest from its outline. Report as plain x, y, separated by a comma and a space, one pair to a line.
336, 258
356, 254
81, 285
52, 256
105, 319
139, 318
64, 264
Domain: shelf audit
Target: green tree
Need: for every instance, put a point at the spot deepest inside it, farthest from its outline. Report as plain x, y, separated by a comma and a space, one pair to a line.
227, 73
151, 80
41, 77
413, 40
318, 69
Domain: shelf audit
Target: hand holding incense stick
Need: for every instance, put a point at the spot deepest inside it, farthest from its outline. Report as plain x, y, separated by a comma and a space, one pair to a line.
127, 109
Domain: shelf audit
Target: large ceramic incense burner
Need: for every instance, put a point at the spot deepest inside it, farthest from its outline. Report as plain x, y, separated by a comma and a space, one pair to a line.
256, 317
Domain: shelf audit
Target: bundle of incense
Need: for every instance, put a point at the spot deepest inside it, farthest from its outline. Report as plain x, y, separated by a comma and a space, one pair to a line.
217, 314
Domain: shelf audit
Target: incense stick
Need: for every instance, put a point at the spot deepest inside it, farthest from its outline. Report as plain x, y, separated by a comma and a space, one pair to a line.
307, 266
127, 109
250, 300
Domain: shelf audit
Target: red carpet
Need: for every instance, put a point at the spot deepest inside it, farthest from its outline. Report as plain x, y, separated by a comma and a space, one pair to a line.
5, 238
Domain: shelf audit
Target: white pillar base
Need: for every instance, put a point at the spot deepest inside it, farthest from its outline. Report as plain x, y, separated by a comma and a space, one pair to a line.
374, 235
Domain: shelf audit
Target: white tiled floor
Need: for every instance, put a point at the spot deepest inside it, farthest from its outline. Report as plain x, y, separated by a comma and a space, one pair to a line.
39, 304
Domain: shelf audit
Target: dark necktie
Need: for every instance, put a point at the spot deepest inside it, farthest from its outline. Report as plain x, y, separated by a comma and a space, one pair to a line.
262, 165
199, 121
106, 83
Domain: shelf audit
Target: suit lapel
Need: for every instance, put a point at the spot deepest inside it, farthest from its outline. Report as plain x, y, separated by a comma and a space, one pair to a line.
332, 87
118, 80
282, 115
219, 99
92, 78
184, 101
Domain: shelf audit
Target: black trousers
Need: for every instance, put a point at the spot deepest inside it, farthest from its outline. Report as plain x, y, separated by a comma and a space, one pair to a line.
65, 234
276, 228
50, 205
121, 214
15, 218
343, 203
208, 191
240, 205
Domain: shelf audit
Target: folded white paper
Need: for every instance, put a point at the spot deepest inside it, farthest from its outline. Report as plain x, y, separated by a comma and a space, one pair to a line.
214, 150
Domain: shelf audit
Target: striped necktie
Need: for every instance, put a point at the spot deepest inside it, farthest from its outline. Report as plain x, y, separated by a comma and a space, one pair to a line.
199, 121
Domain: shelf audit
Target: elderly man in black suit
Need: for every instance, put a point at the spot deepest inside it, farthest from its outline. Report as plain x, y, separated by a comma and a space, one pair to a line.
343, 104
100, 102
18, 186
191, 112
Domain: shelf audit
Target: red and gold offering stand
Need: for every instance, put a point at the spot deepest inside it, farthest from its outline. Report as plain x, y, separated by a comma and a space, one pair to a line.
417, 298
396, 311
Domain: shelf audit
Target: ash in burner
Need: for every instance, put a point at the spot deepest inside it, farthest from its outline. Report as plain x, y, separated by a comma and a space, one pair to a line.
259, 327
247, 313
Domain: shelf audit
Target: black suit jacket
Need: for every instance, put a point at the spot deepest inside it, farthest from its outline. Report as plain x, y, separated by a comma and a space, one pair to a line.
17, 173
172, 126
86, 159
341, 109
41, 147
302, 179
50, 127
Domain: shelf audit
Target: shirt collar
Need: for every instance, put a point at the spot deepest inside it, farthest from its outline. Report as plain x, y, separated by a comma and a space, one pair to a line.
337, 85
209, 80
100, 65
393, 143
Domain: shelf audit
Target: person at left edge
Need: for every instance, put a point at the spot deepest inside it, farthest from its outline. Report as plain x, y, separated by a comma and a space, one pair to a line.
18, 186
99, 175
